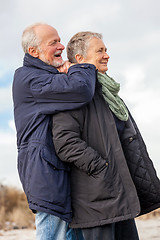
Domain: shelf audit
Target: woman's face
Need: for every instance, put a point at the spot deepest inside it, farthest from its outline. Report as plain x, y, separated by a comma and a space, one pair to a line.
97, 55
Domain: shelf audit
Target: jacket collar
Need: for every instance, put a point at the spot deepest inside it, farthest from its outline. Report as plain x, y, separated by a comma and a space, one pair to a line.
30, 61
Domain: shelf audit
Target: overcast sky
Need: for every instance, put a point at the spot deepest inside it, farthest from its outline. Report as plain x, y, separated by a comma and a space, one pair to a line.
131, 32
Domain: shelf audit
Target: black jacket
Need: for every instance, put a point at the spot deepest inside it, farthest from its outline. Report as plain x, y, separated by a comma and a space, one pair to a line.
39, 91
108, 183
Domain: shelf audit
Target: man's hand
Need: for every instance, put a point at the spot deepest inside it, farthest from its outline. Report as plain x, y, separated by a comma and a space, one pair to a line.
64, 68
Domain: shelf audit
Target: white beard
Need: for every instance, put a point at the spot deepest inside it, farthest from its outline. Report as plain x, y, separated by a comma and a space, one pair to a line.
57, 64
54, 63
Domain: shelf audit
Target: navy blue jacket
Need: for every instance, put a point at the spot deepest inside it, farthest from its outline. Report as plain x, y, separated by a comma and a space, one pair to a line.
39, 91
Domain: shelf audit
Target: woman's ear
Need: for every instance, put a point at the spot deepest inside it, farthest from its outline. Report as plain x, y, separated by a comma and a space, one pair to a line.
79, 58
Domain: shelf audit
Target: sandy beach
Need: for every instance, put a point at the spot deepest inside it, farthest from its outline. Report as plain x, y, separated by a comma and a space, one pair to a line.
148, 230
24, 234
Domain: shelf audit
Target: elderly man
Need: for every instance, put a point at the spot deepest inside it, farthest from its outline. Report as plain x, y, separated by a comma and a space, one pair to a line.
112, 178
39, 91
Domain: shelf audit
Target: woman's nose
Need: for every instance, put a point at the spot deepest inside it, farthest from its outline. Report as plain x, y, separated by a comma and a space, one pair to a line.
106, 55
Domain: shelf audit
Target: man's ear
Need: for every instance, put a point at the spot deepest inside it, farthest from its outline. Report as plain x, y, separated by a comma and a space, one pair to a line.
79, 58
33, 52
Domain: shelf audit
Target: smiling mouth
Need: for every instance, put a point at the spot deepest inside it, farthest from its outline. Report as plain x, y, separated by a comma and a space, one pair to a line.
58, 54
104, 64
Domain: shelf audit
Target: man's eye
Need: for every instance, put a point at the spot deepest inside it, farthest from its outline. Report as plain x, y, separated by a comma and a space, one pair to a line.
53, 43
100, 50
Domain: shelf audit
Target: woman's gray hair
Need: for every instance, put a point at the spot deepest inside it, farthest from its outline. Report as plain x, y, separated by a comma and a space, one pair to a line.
79, 43
30, 38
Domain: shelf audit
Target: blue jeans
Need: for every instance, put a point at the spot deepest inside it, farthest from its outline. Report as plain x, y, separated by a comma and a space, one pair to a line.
50, 227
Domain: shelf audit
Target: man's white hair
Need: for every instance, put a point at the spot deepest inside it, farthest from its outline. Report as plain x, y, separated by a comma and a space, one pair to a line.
30, 38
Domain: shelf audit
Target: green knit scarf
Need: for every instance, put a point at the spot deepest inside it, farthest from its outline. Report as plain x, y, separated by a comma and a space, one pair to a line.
110, 89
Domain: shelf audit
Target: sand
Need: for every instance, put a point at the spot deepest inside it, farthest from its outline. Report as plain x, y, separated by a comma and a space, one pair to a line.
24, 234
148, 230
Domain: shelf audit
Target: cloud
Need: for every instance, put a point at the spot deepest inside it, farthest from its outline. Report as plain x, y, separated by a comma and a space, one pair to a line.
6, 99
8, 163
8, 155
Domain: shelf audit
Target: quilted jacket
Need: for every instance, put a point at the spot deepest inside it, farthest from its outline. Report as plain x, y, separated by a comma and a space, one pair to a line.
39, 91
111, 180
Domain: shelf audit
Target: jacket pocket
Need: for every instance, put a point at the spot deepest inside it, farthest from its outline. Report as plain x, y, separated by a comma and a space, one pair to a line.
25, 165
102, 186
50, 156
129, 140
48, 178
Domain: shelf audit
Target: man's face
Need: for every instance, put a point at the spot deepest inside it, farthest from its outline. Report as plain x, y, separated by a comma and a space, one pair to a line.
97, 54
50, 48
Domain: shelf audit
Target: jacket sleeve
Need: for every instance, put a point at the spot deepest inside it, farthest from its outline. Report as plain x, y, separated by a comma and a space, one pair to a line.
68, 91
70, 147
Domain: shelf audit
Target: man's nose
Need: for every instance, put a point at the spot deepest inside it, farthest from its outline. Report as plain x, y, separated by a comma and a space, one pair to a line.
60, 46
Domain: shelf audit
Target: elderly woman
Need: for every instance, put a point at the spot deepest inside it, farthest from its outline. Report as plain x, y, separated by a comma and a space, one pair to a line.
112, 177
